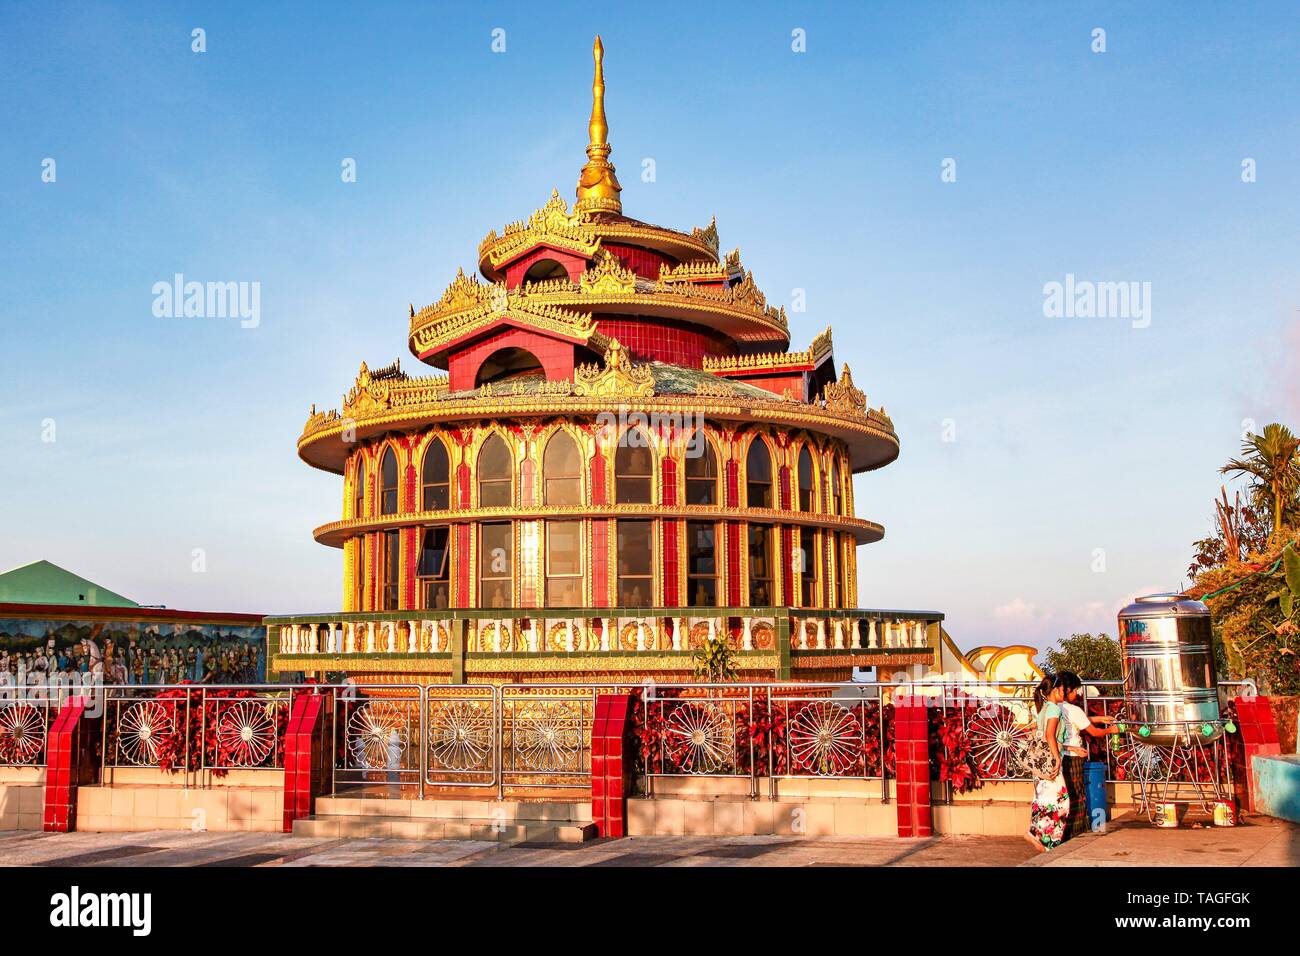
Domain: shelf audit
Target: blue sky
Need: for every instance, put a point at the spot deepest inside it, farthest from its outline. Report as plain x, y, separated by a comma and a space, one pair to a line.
1072, 434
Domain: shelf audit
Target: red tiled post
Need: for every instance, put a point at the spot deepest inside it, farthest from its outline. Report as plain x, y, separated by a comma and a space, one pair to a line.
1257, 736
611, 763
304, 755
912, 767
67, 764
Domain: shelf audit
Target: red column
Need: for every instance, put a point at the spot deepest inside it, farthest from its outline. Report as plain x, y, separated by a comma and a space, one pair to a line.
304, 756
912, 763
66, 766
1257, 736
611, 763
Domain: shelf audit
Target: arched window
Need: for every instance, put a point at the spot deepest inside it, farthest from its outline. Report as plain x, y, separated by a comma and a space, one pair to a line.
544, 269
435, 478
805, 479
388, 483
758, 475
701, 471
494, 473
359, 489
507, 363
562, 471
633, 469
837, 490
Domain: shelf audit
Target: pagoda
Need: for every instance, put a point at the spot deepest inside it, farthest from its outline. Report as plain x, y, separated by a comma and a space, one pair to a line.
619, 460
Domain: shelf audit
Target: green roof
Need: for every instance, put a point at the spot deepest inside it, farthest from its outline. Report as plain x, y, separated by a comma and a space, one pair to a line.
44, 583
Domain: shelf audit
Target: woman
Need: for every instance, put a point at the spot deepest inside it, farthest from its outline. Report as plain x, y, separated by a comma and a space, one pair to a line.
1051, 807
1076, 723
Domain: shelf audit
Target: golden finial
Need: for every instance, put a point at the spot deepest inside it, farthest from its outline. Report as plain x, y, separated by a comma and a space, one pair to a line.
598, 187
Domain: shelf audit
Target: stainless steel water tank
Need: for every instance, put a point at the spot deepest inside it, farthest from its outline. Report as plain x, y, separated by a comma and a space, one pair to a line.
1169, 681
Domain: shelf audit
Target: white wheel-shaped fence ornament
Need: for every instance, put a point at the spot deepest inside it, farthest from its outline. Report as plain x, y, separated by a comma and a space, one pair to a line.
996, 740
142, 729
22, 733
376, 736
1150, 763
825, 739
700, 738
245, 734
460, 735
547, 737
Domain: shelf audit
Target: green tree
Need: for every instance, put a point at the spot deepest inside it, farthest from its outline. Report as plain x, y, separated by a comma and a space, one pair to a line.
1272, 461
714, 662
1092, 657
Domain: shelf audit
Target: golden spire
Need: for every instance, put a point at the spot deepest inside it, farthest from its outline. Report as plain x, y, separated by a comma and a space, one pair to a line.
598, 187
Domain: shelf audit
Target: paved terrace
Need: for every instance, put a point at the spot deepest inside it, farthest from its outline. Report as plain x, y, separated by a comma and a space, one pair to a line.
1128, 842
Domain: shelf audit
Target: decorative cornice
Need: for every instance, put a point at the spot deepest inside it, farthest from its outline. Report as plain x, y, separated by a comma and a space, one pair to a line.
553, 225
842, 397
770, 361
708, 235
606, 277
472, 305
618, 379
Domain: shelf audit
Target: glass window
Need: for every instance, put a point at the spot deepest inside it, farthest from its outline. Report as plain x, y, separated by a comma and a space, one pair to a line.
562, 471
758, 475
392, 569
807, 568
495, 472
388, 483
635, 560
564, 564
633, 470
701, 472
435, 479
760, 565
435, 568
496, 550
701, 564
359, 489
805, 480
837, 492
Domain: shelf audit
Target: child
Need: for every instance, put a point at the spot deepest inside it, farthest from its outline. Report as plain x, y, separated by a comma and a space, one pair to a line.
1076, 723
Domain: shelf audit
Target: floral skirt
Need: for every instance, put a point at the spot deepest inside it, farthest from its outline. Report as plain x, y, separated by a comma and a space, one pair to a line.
1049, 812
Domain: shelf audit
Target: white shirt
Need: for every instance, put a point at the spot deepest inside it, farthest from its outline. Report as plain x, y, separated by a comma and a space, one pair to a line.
1075, 722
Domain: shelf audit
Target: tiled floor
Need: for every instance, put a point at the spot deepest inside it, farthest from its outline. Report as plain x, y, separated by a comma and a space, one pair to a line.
182, 848
1127, 842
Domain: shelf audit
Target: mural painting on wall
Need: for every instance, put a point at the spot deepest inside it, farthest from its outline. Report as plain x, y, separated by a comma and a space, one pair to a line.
128, 652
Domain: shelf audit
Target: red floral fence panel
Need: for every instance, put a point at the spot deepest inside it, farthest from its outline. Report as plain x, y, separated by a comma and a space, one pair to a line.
187, 729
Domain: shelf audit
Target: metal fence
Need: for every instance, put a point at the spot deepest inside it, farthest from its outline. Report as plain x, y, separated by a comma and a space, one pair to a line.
24, 728
416, 738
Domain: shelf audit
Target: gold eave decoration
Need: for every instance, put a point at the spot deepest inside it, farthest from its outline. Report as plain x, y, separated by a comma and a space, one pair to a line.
420, 404
606, 277
842, 397
515, 306
552, 225
618, 379
703, 270
729, 365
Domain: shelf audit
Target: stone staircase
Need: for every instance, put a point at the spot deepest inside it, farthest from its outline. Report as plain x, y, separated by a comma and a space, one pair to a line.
502, 821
